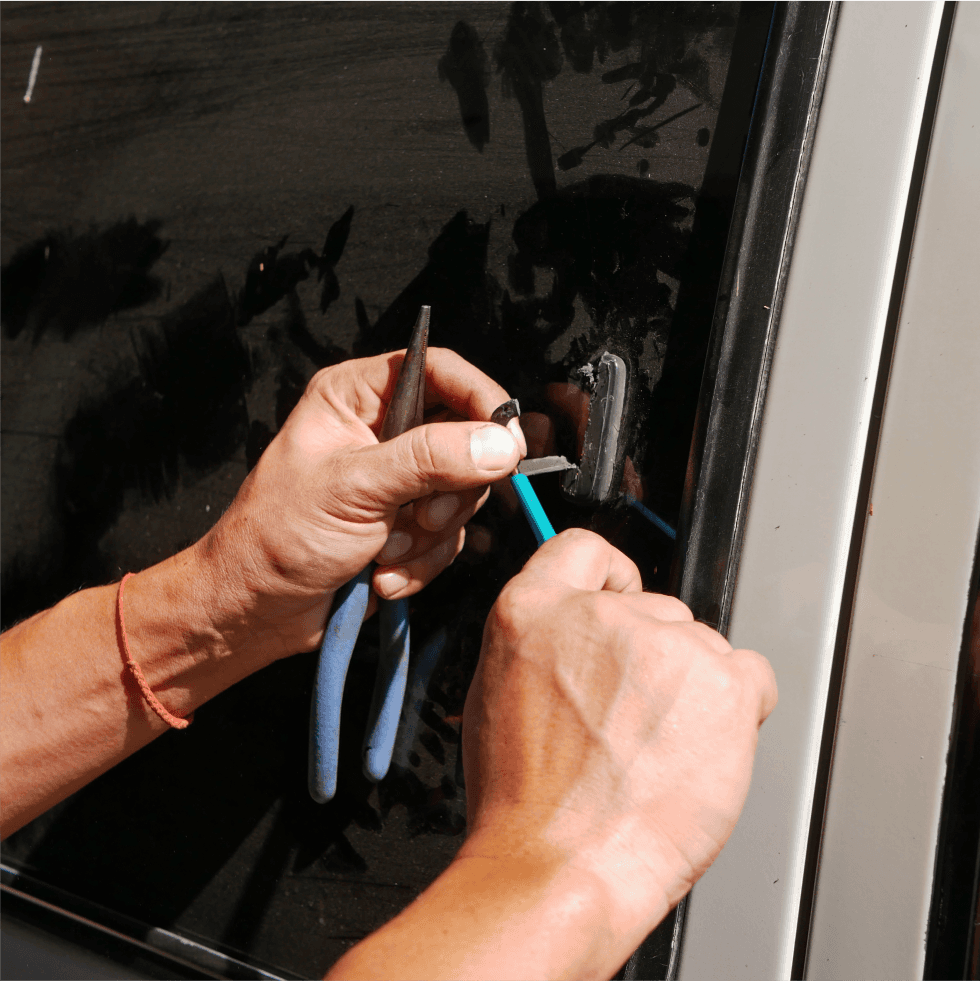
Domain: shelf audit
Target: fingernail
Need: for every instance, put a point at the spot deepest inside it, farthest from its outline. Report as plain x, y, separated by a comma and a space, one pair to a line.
478, 539
492, 448
392, 581
515, 427
444, 555
398, 543
442, 509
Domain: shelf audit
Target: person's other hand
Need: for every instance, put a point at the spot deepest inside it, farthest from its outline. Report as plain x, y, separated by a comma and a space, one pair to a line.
326, 498
608, 730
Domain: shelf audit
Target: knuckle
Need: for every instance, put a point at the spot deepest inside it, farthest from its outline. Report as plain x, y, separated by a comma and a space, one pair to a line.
710, 637
413, 460
423, 450
437, 558
670, 608
580, 537
606, 608
450, 548
519, 613
761, 672
575, 545
720, 679
317, 380
510, 606
321, 382
679, 608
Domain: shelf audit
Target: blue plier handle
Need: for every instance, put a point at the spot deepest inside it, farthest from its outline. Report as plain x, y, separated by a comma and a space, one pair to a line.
350, 605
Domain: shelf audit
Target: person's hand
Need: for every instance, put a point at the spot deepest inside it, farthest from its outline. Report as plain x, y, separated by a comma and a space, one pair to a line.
607, 749
606, 728
326, 498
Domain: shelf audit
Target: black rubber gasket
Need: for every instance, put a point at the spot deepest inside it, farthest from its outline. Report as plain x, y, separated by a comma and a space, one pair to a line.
743, 332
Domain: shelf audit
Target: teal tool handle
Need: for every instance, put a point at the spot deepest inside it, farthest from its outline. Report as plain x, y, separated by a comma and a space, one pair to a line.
389, 688
350, 605
533, 511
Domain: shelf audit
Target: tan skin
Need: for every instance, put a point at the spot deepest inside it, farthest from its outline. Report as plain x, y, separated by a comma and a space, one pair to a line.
321, 503
608, 739
608, 743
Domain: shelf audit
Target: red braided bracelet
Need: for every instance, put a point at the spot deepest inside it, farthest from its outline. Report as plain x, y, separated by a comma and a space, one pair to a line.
172, 720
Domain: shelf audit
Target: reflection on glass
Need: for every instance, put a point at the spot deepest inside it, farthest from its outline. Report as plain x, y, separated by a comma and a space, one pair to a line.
303, 179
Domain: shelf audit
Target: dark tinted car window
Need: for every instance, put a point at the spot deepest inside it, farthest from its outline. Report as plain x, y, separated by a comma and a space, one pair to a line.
203, 205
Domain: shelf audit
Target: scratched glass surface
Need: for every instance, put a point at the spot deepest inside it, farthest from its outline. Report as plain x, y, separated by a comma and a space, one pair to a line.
202, 206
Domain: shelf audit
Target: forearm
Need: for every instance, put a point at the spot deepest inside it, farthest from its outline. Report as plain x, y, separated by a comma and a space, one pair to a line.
70, 707
497, 915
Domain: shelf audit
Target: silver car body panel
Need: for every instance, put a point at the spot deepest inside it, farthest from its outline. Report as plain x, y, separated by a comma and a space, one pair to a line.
879, 844
744, 914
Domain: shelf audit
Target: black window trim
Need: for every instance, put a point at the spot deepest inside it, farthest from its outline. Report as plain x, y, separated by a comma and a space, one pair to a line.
743, 335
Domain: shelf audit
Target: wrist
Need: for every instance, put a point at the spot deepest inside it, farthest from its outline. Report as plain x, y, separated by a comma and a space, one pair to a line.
630, 875
262, 611
498, 912
641, 871
560, 917
182, 632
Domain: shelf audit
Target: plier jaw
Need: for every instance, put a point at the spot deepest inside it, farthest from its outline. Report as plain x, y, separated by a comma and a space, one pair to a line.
408, 401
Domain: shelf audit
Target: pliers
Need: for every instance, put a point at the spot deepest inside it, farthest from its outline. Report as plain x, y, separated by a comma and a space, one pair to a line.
350, 604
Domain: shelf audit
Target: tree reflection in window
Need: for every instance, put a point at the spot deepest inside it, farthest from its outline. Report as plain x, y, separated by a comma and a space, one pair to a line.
535, 172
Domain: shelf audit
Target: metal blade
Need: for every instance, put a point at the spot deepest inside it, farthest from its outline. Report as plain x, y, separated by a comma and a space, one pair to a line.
544, 464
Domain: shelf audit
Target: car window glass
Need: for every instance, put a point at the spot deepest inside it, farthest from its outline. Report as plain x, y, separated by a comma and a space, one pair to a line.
203, 207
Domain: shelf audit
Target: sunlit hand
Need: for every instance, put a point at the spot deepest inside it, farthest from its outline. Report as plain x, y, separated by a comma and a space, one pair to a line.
326, 498
605, 727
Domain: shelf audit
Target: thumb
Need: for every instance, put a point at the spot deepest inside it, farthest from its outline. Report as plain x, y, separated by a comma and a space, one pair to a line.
442, 456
